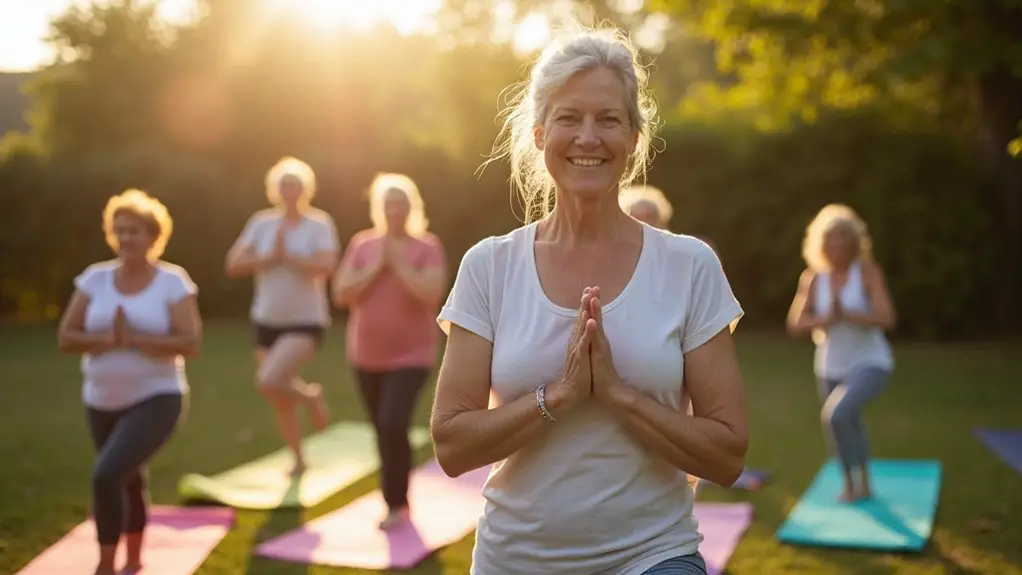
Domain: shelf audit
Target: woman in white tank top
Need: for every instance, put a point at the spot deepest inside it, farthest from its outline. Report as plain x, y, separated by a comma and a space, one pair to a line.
843, 301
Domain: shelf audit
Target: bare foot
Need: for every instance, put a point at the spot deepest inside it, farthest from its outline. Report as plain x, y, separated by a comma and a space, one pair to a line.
319, 411
848, 495
103, 570
131, 569
395, 518
864, 493
298, 469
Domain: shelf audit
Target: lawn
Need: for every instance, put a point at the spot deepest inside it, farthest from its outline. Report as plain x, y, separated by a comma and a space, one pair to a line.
937, 396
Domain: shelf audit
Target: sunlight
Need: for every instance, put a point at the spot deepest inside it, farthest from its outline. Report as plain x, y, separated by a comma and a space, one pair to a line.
406, 16
532, 33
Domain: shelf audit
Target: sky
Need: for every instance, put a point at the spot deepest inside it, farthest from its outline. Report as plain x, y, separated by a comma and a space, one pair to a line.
24, 24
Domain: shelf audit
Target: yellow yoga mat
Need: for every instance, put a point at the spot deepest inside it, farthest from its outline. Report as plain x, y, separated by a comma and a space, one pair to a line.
337, 457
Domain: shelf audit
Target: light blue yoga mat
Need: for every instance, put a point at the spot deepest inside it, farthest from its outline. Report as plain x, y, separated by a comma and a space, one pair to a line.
899, 517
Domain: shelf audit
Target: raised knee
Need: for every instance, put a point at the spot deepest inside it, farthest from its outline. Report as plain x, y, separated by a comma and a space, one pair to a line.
267, 385
836, 417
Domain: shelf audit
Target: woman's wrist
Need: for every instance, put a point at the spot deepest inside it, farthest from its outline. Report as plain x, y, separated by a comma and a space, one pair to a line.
558, 397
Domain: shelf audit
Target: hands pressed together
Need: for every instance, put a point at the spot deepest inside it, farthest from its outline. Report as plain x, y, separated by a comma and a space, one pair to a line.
121, 335
589, 365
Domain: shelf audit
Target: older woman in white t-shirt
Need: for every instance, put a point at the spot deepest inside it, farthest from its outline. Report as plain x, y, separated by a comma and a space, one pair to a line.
133, 319
588, 326
290, 249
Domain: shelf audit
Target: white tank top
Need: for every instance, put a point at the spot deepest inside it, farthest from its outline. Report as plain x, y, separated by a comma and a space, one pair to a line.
845, 346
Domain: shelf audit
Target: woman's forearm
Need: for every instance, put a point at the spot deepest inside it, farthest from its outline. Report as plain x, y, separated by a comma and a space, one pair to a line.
423, 285
472, 439
871, 319
246, 263
164, 345
699, 446
352, 283
77, 341
315, 265
805, 324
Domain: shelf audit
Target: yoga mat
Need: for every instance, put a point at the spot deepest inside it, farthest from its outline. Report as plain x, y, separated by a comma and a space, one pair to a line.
444, 510
1006, 444
337, 457
899, 517
722, 526
177, 541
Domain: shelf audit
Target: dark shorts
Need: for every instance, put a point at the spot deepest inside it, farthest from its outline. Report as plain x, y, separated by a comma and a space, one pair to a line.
266, 336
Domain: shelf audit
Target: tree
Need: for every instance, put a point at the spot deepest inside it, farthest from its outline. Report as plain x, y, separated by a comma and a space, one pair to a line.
959, 62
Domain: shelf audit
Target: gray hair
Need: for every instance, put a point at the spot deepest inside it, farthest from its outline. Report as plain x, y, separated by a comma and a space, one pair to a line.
572, 53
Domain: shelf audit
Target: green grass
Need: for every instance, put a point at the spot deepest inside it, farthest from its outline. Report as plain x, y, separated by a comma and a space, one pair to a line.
938, 394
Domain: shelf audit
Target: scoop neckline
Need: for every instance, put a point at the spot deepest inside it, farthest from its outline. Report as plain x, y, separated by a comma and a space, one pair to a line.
112, 280
530, 241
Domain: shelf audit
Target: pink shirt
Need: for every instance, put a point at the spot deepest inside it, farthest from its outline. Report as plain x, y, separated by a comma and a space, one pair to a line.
388, 328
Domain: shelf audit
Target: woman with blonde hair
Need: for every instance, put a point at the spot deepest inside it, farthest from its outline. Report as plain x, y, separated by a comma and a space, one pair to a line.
843, 300
647, 204
392, 280
134, 319
587, 327
290, 249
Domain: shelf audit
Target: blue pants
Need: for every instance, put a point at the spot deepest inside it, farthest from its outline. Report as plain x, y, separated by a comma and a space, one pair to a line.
843, 402
684, 565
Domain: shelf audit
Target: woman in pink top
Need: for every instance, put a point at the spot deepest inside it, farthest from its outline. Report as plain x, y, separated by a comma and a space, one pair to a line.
392, 279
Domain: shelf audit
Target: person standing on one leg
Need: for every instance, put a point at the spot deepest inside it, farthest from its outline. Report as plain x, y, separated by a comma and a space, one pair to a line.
843, 300
392, 279
134, 319
290, 249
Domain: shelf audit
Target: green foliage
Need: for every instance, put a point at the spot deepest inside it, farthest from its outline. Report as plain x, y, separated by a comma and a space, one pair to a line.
753, 194
198, 121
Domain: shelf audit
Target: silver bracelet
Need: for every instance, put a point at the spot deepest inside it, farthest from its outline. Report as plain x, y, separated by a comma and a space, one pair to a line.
541, 404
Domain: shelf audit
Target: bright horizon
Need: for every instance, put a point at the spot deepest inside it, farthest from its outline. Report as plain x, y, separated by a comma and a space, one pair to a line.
26, 22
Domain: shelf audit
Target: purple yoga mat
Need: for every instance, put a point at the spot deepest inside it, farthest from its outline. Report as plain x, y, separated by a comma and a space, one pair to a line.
722, 526
444, 510
1005, 443
177, 541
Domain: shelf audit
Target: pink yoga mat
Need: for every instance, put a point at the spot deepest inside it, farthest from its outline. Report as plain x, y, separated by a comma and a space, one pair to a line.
178, 539
722, 526
444, 510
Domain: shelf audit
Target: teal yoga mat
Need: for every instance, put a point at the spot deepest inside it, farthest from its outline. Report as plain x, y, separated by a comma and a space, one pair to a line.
898, 518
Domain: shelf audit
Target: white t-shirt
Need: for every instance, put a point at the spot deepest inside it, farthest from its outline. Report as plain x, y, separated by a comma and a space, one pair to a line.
588, 498
122, 377
285, 297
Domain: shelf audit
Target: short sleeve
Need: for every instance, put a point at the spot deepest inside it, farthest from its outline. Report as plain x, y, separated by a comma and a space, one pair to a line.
90, 280
180, 285
326, 239
468, 304
249, 234
712, 305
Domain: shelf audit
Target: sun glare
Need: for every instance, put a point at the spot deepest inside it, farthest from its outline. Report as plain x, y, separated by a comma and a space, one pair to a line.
531, 33
407, 16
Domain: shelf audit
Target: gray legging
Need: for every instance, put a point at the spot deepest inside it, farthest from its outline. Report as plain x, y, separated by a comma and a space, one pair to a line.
684, 565
843, 401
125, 440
